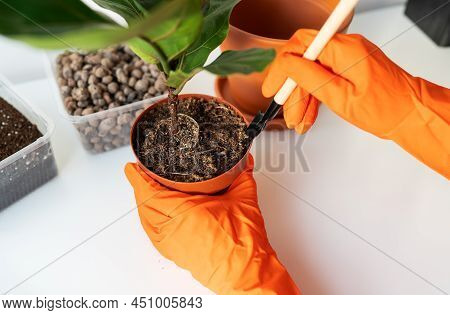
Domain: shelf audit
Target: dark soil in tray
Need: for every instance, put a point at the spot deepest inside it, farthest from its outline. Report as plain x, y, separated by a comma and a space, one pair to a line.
16, 132
209, 141
29, 171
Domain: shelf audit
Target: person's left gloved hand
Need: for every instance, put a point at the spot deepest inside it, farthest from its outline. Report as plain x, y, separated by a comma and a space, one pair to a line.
220, 239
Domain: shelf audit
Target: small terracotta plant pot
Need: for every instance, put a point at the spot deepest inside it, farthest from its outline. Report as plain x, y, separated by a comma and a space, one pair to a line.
269, 24
210, 186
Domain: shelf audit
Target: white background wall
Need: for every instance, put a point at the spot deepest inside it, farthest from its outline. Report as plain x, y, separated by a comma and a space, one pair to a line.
374, 4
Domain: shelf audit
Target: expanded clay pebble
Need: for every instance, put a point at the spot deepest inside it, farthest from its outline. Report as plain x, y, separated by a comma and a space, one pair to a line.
102, 81
117, 70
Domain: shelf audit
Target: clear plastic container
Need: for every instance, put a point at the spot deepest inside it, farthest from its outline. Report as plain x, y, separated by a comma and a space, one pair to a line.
102, 131
34, 165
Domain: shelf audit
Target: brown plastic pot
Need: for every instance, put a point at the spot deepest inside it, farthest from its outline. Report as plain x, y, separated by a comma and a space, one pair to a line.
269, 24
210, 186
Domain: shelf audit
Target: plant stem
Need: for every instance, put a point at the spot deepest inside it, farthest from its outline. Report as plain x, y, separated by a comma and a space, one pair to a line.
173, 97
173, 108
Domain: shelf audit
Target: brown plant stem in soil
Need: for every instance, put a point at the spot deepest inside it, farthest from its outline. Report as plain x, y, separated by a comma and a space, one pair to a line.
16, 132
211, 139
173, 108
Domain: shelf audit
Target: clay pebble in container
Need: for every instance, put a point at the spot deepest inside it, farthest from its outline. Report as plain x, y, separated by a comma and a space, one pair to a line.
26, 156
102, 92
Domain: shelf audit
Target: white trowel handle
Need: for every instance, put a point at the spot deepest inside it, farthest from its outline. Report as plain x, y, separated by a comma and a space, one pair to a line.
327, 31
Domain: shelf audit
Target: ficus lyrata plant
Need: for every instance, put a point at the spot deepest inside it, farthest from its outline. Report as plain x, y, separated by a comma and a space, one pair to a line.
177, 35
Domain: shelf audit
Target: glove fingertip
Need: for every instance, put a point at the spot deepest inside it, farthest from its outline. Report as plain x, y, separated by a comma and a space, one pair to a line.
130, 172
294, 109
288, 120
303, 127
267, 88
274, 79
309, 116
136, 176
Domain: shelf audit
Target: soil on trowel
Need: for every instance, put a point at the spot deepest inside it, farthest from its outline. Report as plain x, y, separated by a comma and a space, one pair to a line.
210, 139
16, 132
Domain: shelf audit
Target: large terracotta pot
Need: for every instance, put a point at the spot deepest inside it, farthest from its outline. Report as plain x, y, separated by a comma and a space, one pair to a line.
210, 186
267, 24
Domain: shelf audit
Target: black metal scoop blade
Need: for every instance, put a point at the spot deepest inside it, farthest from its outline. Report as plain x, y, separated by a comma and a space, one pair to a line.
260, 121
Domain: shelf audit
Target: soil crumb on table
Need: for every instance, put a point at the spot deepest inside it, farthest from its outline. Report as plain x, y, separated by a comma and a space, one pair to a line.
16, 132
204, 147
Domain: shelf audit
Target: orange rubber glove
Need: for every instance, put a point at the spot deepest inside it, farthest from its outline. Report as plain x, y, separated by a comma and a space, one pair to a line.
220, 239
356, 80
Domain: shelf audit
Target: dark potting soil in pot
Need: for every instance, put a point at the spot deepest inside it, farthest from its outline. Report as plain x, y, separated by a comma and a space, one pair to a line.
209, 141
16, 132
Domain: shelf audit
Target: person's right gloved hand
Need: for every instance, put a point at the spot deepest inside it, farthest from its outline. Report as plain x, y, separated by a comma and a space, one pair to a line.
356, 80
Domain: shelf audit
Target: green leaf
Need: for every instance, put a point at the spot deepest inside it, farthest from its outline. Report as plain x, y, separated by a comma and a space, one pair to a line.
242, 61
177, 79
214, 31
44, 16
53, 24
145, 51
178, 26
66, 24
128, 9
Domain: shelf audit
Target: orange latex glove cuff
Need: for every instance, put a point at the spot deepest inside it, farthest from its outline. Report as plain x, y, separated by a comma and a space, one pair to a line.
220, 239
356, 80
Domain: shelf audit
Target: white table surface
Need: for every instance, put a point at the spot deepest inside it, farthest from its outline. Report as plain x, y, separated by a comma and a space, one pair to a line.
20, 62
366, 218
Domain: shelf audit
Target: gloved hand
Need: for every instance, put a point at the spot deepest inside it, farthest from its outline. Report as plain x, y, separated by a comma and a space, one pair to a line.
356, 80
220, 239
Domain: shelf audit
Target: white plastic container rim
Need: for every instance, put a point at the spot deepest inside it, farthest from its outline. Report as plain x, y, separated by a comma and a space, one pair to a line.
45, 126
